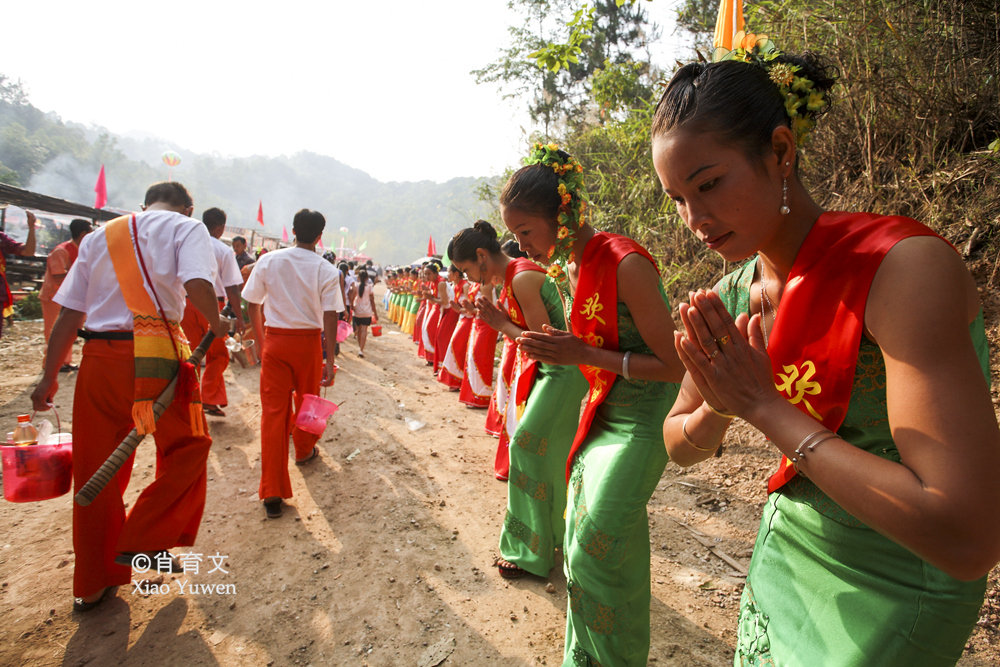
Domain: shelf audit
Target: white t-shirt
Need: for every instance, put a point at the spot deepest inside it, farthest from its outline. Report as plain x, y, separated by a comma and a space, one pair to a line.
229, 271
175, 248
363, 301
296, 287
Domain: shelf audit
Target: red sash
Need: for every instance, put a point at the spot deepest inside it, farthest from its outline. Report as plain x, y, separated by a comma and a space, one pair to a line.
595, 317
827, 291
528, 367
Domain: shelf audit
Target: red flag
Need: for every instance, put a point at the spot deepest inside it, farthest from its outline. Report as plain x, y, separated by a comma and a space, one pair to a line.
260, 213
321, 241
284, 234
102, 190
431, 250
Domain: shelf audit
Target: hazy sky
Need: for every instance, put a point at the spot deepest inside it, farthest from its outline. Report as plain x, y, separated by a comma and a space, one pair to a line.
381, 86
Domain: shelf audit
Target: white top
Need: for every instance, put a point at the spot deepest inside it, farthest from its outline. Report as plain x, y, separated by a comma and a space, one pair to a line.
229, 271
363, 301
296, 287
175, 248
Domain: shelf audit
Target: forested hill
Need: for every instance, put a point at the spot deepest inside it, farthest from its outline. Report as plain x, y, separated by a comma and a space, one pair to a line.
41, 152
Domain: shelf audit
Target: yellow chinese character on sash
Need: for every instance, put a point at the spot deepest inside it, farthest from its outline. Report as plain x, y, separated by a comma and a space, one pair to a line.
594, 339
592, 307
796, 386
598, 388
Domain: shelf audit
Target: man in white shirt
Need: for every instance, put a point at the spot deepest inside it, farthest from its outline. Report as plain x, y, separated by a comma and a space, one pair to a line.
301, 297
228, 283
176, 258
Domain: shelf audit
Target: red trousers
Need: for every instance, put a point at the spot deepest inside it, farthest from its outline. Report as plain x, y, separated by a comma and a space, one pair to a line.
168, 512
213, 386
291, 367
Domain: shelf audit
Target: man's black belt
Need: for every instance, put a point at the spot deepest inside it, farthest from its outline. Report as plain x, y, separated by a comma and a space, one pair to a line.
104, 335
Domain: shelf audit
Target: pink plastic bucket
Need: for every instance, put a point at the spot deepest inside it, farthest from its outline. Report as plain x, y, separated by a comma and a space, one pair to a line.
343, 331
314, 413
37, 472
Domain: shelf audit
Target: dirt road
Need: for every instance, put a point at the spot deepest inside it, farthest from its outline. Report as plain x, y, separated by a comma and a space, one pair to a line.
383, 556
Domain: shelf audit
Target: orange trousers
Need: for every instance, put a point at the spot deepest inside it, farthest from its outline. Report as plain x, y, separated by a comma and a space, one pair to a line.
50, 312
291, 366
213, 386
168, 512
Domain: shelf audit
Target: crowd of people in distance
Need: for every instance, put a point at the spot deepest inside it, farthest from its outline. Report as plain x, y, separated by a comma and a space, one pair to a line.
855, 342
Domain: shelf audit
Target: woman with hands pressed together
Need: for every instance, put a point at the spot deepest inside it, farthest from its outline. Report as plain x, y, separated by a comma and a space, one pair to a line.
477, 383
432, 313
858, 349
452, 364
543, 408
447, 318
622, 341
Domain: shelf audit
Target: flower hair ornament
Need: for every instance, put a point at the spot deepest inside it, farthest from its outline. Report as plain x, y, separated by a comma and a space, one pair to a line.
803, 102
572, 209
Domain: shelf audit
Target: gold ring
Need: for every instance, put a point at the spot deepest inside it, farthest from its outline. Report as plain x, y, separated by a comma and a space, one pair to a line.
722, 341
712, 356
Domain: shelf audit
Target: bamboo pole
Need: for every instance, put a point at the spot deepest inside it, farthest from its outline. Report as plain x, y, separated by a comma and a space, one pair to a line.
118, 457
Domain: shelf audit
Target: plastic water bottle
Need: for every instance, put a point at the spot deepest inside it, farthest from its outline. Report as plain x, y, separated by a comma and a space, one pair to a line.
25, 433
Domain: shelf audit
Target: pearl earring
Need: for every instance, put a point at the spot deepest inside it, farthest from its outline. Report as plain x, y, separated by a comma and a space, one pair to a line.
784, 195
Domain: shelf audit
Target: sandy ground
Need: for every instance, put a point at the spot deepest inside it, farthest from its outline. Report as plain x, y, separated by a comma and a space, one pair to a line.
383, 556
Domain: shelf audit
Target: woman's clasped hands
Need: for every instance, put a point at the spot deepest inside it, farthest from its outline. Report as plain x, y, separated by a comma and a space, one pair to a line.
553, 346
726, 359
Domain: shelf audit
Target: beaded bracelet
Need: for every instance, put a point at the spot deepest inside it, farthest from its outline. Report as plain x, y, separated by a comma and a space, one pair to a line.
808, 444
688, 440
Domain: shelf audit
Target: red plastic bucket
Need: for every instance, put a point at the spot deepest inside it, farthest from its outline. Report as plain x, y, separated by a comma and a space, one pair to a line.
313, 414
37, 472
376, 329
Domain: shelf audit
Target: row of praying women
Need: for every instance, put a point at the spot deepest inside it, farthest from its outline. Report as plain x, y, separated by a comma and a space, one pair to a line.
853, 341
440, 316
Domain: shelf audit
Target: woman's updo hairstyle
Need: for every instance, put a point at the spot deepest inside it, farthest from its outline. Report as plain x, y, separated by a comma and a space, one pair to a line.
513, 250
534, 190
740, 102
463, 246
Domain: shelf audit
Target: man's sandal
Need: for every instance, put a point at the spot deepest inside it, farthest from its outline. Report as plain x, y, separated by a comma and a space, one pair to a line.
313, 454
148, 561
81, 606
272, 507
509, 570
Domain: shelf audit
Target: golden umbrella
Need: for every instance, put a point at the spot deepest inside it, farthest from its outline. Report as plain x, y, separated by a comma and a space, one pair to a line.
729, 23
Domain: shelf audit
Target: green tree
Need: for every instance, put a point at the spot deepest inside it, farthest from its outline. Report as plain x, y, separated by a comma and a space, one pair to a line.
20, 152
697, 18
558, 87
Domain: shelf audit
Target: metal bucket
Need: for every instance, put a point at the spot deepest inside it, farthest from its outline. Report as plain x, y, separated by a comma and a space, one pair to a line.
246, 354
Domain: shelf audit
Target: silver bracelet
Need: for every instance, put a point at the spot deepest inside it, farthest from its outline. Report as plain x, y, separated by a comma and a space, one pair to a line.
625, 365
808, 444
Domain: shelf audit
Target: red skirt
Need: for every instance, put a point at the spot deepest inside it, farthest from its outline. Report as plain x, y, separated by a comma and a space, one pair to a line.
477, 383
429, 335
442, 339
453, 365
